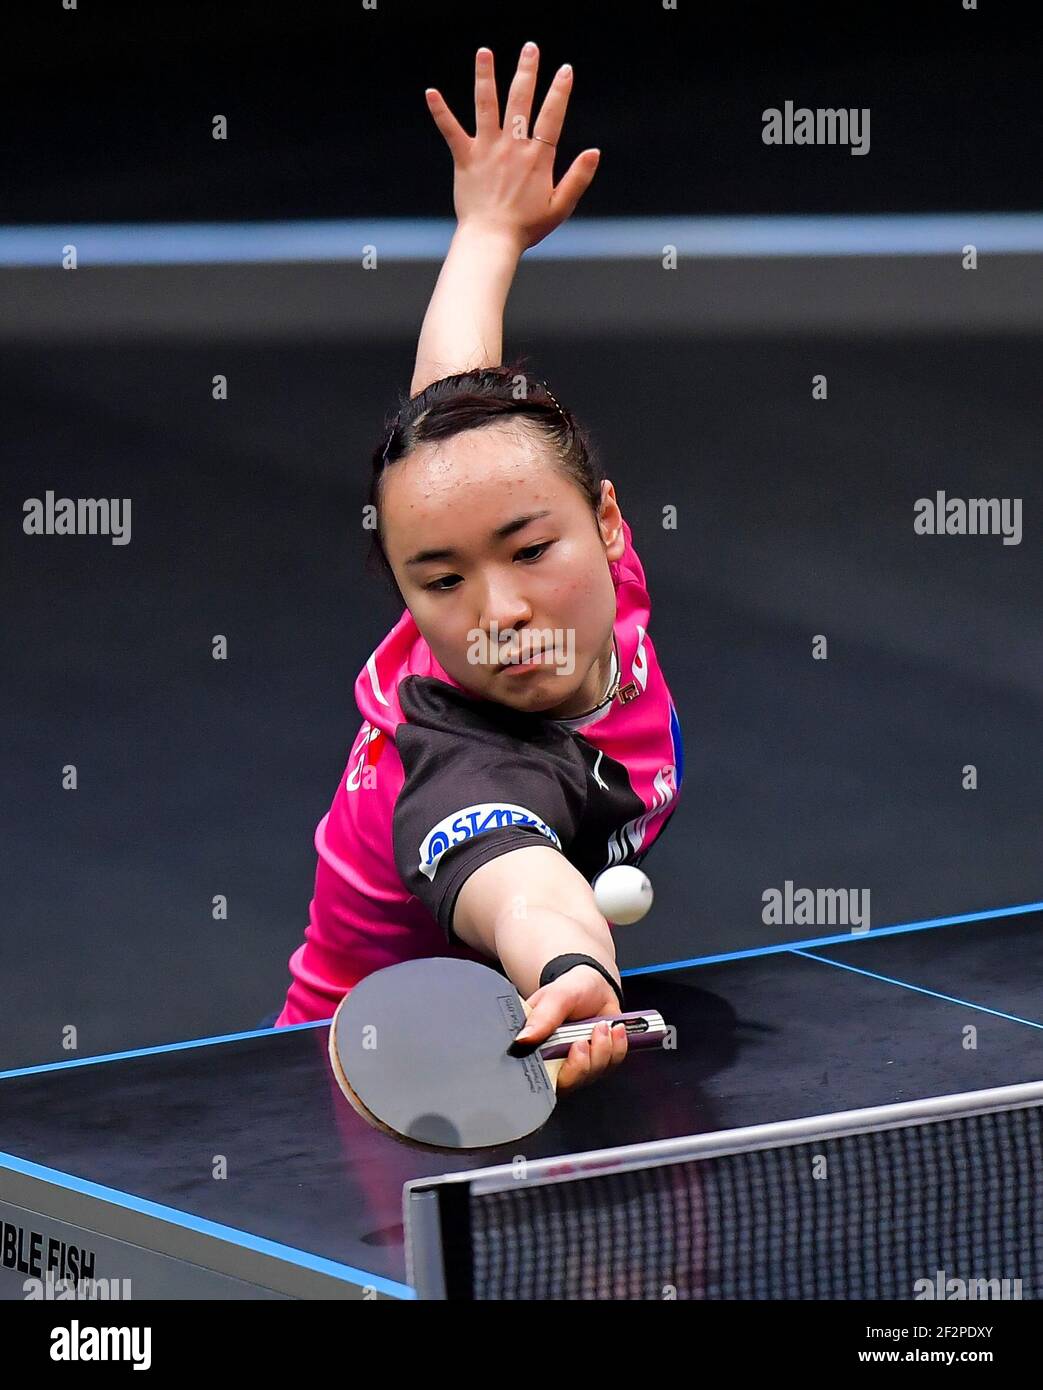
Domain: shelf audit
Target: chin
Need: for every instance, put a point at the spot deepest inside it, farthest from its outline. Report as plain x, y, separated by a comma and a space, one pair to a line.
547, 699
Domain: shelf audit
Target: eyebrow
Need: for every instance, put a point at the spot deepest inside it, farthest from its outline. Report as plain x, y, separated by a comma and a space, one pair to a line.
422, 557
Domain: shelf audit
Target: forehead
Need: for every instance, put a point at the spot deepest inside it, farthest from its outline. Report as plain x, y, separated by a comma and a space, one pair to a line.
466, 479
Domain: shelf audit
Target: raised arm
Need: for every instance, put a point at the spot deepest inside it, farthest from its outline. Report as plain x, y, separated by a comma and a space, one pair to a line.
506, 201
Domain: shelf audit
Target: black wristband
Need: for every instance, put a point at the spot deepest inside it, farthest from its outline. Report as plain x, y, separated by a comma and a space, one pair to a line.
560, 965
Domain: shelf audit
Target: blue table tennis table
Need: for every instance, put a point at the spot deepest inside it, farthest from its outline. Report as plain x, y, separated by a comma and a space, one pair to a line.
846, 1117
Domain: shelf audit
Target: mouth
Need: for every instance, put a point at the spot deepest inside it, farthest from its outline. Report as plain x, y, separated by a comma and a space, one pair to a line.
518, 663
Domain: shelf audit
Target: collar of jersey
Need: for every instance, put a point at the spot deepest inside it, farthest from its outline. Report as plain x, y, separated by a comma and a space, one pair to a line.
580, 721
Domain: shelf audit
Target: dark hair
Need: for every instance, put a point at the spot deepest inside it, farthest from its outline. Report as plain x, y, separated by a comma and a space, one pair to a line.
467, 401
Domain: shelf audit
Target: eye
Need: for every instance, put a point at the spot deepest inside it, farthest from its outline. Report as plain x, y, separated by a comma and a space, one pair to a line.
541, 548
526, 555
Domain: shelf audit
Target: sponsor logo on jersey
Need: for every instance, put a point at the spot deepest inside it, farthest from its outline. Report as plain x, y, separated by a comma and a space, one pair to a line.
465, 824
630, 839
639, 665
367, 754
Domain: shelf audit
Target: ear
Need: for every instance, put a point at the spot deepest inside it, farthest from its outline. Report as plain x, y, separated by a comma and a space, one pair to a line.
610, 523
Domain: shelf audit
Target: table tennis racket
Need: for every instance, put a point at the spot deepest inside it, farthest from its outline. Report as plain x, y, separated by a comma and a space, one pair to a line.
425, 1051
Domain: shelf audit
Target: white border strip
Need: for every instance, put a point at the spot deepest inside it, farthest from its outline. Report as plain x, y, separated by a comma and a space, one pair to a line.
594, 239
780, 1134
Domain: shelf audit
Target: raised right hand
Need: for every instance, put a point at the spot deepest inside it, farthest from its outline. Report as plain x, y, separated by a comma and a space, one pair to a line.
503, 179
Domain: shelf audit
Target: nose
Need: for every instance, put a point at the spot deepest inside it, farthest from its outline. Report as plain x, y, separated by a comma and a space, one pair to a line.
505, 605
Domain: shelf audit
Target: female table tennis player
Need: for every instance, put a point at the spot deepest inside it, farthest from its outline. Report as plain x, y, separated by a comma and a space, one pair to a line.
484, 791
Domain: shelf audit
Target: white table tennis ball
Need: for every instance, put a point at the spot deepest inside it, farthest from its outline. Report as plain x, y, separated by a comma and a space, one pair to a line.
623, 894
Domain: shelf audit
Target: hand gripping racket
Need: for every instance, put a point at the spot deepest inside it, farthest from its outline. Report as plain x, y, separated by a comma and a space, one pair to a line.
423, 1051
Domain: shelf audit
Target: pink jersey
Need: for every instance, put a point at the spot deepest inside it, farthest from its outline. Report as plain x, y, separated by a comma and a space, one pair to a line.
440, 781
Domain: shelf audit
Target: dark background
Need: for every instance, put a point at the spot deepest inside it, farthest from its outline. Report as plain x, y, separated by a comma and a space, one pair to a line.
795, 517
110, 105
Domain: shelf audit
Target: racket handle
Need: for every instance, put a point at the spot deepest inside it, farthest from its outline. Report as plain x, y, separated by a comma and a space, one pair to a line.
645, 1029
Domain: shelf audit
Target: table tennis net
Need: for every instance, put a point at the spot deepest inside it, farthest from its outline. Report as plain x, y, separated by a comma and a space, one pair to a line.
861, 1216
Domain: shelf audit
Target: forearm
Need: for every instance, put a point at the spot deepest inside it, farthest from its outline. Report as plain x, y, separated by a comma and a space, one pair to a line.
525, 944
463, 326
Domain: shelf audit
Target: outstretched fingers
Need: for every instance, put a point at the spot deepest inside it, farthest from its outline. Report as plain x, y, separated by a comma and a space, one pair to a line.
574, 184
486, 102
523, 89
552, 113
455, 136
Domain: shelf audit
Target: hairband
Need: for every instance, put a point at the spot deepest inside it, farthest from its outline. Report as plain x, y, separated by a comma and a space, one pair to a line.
555, 400
387, 446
